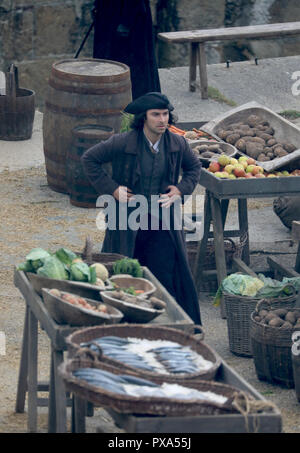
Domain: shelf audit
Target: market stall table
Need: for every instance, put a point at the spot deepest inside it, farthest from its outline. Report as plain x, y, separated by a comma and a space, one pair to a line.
267, 420
218, 194
36, 312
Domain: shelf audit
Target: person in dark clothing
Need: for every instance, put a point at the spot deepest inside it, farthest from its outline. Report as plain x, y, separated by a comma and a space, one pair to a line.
149, 160
123, 31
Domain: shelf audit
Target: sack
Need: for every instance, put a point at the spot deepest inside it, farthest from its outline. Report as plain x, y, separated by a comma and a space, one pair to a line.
287, 209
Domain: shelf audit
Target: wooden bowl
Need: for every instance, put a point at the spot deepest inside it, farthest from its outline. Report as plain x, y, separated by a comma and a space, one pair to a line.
65, 313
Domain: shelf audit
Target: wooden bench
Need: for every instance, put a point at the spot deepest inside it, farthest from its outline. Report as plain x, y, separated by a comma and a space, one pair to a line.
198, 38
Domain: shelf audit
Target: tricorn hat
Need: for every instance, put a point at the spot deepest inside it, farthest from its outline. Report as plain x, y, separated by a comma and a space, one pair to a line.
152, 100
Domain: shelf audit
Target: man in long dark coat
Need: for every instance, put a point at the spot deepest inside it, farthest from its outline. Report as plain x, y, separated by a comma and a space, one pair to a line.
123, 32
148, 161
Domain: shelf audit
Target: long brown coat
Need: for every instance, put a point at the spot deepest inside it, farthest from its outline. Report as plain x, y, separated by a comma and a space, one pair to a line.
122, 150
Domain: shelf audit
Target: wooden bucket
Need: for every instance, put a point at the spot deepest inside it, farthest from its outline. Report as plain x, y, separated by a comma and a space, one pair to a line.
82, 193
80, 91
17, 109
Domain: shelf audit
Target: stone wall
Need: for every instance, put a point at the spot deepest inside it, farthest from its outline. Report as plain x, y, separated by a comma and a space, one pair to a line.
35, 33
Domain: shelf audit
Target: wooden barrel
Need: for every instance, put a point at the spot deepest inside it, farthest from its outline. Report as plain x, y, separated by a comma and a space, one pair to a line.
82, 193
80, 91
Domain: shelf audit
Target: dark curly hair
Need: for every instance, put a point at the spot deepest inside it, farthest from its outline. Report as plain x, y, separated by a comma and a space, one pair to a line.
138, 120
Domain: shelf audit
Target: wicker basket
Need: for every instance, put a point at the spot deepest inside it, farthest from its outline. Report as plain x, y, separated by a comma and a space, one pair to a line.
75, 340
147, 405
272, 350
231, 249
238, 312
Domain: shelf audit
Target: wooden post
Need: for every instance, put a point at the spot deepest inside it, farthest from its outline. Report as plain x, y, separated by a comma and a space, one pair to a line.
219, 244
194, 51
243, 225
32, 372
203, 71
23, 370
201, 249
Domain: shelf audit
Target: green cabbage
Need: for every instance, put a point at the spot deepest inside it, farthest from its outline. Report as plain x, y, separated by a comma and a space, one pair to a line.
66, 256
238, 284
81, 272
53, 268
36, 257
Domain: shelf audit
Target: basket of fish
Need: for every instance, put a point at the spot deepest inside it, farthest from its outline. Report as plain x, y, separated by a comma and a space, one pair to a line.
74, 310
149, 351
125, 392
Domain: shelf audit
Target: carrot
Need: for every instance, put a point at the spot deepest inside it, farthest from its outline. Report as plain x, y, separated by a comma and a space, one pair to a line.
139, 291
176, 130
201, 133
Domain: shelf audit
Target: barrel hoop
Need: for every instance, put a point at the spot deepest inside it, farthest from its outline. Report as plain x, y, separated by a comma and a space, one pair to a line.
71, 111
93, 89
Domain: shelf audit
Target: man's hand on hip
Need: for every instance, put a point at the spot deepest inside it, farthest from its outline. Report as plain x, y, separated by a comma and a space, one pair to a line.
167, 199
123, 194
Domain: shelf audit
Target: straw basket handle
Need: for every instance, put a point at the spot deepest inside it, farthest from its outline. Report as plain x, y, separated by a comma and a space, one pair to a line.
260, 302
198, 335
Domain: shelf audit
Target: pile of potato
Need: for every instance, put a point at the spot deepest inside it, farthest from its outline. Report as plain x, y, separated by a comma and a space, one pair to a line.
255, 138
209, 150
282, 318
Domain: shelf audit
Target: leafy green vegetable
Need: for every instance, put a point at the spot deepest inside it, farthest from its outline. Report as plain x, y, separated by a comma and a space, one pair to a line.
53, 268
80, 272
92, 275
36, 258
273, 288
26, 267
238, 284
66, 256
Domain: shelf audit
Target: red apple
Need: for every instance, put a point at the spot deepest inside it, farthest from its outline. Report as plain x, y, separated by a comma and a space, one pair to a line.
214, 167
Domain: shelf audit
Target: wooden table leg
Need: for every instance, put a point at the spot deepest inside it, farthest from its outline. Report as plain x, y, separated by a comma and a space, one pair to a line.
32, 372
60, 394
51, 406
203, 71
23, 370
244, 229
194, 51
201, 249
78, 414
219, 244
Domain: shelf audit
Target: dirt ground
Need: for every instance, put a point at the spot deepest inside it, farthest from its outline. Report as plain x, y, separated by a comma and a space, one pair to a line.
35, 216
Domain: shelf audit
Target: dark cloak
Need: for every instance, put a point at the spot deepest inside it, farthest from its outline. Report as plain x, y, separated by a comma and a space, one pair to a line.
122, 151
123, 32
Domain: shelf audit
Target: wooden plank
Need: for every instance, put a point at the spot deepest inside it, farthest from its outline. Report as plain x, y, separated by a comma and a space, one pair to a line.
281, 270
244, 230
23, 369
242, 267
193, 66
32, 371
60, 394
219, 244
264, 31
203, 71
201, 250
